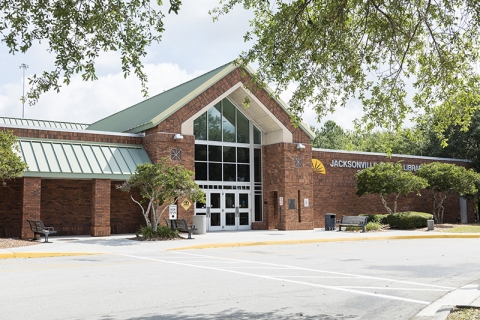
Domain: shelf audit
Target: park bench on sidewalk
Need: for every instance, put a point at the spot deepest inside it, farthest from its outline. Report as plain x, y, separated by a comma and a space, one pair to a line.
38, 228
353, 221
180, 225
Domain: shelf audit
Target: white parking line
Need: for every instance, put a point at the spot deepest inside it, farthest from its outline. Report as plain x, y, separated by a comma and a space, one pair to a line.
384, 296
393, 288
328, 272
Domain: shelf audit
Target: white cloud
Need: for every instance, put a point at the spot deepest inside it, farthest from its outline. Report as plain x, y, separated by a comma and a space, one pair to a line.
86, 102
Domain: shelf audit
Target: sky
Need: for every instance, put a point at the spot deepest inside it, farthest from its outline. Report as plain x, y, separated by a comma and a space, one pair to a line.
192, 44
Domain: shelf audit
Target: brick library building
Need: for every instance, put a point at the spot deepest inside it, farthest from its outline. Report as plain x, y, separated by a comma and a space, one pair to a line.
258, 170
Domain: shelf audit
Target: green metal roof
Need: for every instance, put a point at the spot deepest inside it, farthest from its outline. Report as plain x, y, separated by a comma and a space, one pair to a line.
80, 160
151, 112
42, 123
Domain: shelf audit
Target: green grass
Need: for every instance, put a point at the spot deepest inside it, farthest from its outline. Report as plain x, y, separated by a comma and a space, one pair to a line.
463, 229
465, 314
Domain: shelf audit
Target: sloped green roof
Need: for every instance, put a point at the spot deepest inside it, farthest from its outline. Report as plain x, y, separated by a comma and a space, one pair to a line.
43, 123
149, 113
83, 160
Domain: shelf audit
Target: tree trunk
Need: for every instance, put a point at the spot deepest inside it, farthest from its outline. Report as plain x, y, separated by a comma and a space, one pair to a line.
384, 202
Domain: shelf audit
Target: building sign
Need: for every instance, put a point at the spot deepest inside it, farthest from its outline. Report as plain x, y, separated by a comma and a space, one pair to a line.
172, 212
186, 204
280, 201
318, 167
305, 202
365, 164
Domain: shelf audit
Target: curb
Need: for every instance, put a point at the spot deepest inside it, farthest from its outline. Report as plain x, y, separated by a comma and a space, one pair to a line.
284, 242
17, 255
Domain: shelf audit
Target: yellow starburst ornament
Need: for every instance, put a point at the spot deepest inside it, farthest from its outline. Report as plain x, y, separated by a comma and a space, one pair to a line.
317, 166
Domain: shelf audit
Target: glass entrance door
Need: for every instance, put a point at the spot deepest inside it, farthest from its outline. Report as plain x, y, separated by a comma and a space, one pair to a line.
228, 210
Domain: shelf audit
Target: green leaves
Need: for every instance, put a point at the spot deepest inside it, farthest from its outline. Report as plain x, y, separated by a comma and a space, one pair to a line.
377, 51
388, 178
11, 165
78, 31
446, 178
162, 184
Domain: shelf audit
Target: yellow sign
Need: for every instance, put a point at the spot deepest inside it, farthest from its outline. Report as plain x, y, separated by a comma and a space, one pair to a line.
317, 166
186, 204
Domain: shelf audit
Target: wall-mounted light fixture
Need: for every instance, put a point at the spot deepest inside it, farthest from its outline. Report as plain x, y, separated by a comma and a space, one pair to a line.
300, 146
177, 136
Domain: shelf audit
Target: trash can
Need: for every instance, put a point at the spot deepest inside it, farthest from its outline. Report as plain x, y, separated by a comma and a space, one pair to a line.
430, 225
330, 220
200, 222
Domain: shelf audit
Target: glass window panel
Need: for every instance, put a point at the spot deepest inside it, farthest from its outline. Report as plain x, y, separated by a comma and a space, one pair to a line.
40, 156
243, 173
229, 172
215, 200
215, 171
215, 123
215, 219
228, 121
257, 136
215, 153
229, 200
243, 155
229, 154
29, 155
199, 205
243, 198
244, 219
200, 127
201, 171
243, 128
230, 218
200, 152
51, 158
258, 208
257, 165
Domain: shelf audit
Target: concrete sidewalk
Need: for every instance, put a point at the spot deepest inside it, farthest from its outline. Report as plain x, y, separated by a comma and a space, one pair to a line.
121, 244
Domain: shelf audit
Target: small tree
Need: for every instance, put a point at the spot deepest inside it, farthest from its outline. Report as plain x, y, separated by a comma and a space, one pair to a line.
162, 184
388, 178
11, 165
444, 178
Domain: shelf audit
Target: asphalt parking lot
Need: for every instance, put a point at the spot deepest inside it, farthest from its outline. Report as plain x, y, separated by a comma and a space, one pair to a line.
383, 279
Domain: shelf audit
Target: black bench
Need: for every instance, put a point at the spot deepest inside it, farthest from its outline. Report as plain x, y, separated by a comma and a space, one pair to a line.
353, 221
38, 228
180, 225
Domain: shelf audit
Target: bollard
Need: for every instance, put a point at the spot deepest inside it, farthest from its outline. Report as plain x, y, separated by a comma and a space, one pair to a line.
429, 225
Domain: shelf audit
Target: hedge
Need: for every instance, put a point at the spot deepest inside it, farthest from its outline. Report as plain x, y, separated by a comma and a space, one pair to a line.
408, 219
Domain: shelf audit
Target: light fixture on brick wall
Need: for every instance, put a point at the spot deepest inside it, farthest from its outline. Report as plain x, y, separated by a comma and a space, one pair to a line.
300, 146
177, 136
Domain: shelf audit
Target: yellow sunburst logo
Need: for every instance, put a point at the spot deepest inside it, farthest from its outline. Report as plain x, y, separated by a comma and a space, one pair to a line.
317, 166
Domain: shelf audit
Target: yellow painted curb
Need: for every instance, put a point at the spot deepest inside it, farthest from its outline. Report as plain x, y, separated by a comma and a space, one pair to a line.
282, 242
15, 255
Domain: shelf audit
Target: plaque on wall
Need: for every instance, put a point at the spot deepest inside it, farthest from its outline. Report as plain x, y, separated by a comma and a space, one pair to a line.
176, 154
291, 204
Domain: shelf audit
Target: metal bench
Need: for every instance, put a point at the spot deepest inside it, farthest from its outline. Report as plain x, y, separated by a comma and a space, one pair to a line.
180, 225
353, 221
38, 228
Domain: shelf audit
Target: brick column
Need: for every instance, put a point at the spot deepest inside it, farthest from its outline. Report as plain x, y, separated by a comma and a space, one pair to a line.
100, 208
31, 196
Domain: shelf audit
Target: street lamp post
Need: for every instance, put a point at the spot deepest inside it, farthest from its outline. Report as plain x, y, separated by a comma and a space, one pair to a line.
24, 67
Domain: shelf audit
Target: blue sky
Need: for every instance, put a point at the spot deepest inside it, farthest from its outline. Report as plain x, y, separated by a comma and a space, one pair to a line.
192, 45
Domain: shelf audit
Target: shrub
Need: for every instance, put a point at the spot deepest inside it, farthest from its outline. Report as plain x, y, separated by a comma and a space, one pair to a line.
162, 232
408, 220
378, 218
372, 226
166, 233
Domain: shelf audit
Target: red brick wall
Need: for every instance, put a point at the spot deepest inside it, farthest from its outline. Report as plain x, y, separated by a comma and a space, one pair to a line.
30, 204
281, 178
66, 205
174, 122
11, 208
125, 215
100, 208
334, 192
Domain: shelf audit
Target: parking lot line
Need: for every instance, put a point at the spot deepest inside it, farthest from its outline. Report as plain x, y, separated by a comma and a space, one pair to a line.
377, 295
